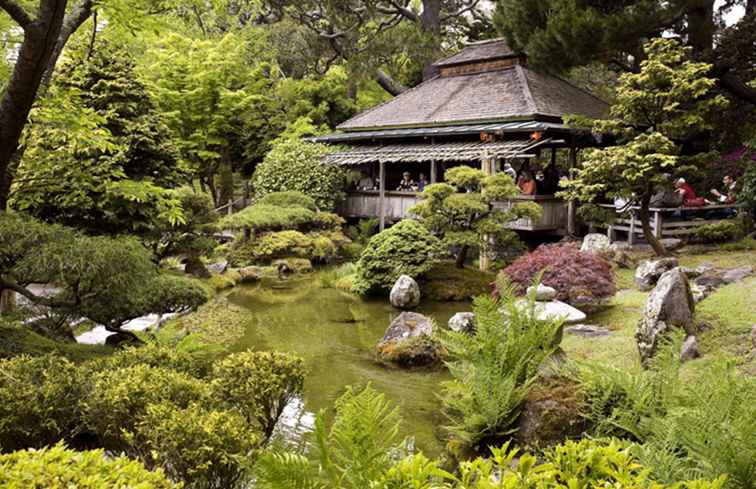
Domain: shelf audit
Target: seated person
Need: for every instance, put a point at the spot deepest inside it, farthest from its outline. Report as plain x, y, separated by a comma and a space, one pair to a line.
689, 197
422, 182
510, 171
526, 183
727, 196
366, 183
406, 185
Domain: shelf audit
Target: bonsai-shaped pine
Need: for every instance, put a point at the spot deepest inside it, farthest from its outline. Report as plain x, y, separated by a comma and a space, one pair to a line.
669, 99
461, 211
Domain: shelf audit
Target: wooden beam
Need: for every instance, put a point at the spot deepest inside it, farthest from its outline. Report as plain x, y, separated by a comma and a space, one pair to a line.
382, 194
433, 172
571, 211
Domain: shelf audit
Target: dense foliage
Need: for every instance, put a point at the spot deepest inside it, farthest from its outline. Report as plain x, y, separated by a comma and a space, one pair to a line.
564, 267
108, 280
493, 368
296, 165
166, 409
58, 466
671, 98
406, 248
285, 225
461, 211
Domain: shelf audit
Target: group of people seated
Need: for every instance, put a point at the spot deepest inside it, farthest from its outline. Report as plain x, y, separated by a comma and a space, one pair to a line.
543, 182
409, 185
688, 196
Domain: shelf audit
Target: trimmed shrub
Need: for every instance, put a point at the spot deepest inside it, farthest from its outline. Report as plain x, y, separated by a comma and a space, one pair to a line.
119, 398
296, 165
258, 385
288, 199
202, 448
321, 246
572, 273
406, 248
155, 356
719, 232
59, 467
39, 401
266, 217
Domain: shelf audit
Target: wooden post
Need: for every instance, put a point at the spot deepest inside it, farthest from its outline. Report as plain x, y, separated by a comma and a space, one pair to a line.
483, 262
230, 206
658, 224
631, 233
433, 172
382, 194
571, 211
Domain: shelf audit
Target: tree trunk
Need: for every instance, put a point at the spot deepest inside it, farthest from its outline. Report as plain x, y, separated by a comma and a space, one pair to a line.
645, 219
462, 256
7, 301
71, 23
701, 26
40, 36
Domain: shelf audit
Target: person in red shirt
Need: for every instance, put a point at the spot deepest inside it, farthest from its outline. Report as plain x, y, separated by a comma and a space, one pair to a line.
526, 183
689, 197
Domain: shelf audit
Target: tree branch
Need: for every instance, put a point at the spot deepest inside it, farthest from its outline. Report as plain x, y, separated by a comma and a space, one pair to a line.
461, 11
388, 83
36, 299
16, 12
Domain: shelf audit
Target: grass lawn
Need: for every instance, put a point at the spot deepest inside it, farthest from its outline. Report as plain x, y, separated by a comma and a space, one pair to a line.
730, 312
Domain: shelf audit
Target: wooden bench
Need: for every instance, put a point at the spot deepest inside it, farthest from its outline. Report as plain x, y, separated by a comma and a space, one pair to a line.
661, 224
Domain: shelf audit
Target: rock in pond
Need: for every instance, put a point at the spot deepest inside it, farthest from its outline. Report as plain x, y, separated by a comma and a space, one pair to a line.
251, 274
543, 293
669, 305
649, 271
689, 349
587, 330
219, 267
408, 342
596, 243
462, 322
405, 294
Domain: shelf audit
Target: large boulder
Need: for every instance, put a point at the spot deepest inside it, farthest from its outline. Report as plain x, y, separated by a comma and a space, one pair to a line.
251, 274
596, 243
649, 271
670, 305
462, 322
551, 413
405, 294
219, 267
736, 274
545, 311
409, 342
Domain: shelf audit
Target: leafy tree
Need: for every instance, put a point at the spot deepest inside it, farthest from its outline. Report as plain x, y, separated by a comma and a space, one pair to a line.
670, 97
560, 34
462, 212
107, 280
406, 248
99, 156
295, 165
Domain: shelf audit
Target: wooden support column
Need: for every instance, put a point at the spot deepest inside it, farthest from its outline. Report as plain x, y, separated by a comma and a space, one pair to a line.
433, 172
382, 194
484, 263
571, 209
658, 224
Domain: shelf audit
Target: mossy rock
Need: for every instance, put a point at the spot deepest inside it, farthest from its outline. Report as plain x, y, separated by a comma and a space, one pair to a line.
551, 413
223, 282
447, 283
417, 351
296, 265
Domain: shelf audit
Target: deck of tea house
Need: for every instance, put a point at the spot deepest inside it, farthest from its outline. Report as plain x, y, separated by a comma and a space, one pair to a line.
484, 108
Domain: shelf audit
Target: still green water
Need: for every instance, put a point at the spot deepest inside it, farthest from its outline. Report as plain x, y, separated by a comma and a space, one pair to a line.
336, 333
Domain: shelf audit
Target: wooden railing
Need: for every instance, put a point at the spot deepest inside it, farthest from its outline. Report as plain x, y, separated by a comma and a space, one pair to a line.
396, 205
663, 222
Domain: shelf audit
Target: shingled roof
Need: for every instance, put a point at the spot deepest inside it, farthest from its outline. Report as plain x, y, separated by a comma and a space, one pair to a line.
496, 94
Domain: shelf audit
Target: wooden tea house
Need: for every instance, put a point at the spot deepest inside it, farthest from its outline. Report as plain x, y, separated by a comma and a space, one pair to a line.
484, 108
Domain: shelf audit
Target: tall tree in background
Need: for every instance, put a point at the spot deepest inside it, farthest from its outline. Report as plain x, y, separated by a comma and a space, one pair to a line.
560, 34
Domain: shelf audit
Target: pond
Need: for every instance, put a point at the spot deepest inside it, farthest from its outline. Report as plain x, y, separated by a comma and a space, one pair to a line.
336, 333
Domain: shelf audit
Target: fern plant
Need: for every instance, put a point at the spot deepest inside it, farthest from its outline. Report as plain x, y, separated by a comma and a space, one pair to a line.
494, 368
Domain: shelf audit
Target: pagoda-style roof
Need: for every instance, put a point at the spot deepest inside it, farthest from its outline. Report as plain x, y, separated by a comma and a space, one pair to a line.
484, 83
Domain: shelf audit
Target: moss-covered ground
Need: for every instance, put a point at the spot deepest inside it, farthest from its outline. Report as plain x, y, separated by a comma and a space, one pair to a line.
729, 314
445, 282
16, 339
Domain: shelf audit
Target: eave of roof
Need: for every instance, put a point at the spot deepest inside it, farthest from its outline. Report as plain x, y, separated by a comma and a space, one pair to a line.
527, 126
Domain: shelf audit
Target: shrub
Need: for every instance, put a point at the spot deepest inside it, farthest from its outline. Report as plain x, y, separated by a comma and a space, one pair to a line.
296, 165
39, 401
59, 467
718, 232
259, 385
494, 367
406, 248
205, 449
269, 247
288, 199
565, 268
267, 217
119, 398
152, 355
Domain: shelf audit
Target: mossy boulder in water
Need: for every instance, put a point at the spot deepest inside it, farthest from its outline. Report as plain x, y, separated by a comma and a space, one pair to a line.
409, 342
